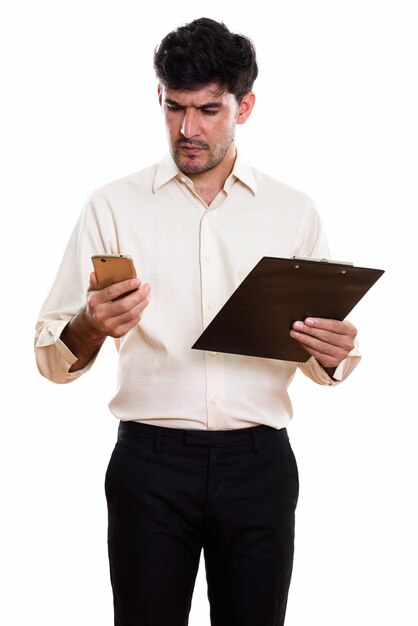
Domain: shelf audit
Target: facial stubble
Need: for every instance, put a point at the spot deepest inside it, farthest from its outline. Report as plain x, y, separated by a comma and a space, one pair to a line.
214, 158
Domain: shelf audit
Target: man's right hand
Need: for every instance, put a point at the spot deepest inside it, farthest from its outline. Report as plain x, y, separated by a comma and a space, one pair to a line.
111, 313
107, 312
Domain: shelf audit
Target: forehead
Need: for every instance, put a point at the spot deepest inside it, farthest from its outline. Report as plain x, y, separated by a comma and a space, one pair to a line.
213, 92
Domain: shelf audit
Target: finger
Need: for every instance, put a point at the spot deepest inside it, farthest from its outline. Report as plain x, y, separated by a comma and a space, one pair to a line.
328, 361
106, 312
316, 344
120, 324
118, 289
345, 341
128, 300
340, 339
327, 354
339, 327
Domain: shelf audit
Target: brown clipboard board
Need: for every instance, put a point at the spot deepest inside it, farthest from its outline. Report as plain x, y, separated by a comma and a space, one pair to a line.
258, 316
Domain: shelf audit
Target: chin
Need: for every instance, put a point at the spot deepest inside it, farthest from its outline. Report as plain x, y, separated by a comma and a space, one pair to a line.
187, 166
194, 169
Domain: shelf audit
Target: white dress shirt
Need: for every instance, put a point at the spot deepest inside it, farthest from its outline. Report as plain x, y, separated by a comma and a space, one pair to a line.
194, 256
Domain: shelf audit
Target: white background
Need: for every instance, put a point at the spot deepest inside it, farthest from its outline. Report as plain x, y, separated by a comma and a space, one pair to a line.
336, 116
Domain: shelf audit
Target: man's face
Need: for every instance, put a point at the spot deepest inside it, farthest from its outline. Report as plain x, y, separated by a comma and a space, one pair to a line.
200, 126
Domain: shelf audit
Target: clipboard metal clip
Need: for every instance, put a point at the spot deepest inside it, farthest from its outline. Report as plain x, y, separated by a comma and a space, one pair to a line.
323, 260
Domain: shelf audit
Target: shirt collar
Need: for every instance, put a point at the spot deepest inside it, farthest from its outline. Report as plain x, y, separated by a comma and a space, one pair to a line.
167, 170
243, 172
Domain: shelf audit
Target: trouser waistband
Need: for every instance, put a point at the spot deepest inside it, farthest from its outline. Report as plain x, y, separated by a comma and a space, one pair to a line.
253, 435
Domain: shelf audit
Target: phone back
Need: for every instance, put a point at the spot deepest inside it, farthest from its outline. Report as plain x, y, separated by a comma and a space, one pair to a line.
112, 269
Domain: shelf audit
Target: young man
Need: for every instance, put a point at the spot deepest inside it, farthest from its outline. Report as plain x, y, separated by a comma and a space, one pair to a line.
203, 458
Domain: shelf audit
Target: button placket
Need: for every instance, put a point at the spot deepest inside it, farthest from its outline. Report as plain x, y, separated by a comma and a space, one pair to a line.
211, 271
215, 383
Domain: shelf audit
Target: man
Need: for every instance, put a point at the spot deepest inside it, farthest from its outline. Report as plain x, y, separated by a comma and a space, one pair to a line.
203, 458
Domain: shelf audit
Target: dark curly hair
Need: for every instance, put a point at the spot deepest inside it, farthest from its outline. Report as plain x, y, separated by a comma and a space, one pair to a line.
205, 51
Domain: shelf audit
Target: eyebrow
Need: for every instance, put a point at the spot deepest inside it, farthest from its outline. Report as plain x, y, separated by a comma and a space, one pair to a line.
207, 105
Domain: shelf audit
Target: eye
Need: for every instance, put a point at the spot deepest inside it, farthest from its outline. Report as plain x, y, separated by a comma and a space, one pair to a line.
173, 107
209, 111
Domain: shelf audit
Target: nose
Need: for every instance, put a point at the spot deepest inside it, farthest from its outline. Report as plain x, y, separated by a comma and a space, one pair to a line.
190, 126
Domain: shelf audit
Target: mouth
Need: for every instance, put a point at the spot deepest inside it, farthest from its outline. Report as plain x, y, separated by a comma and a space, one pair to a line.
190, 147
190, 150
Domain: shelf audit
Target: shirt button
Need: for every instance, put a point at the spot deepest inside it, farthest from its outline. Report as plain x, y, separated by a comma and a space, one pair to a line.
215, 400
208, 259
210, 305
214, 353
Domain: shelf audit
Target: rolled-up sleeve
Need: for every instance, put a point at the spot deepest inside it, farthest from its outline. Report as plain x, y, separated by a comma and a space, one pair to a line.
313, 243
313, 370
53, 358
94, 233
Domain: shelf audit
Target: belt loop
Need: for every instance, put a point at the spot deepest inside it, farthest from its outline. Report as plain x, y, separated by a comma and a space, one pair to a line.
158, 435
255, 440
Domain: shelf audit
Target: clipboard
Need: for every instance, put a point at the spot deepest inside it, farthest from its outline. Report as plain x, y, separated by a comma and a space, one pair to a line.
258, 316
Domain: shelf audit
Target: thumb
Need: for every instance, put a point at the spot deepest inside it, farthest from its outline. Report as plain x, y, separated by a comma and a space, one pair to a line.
93, 284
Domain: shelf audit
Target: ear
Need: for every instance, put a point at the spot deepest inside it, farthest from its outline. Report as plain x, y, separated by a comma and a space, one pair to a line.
245, 107
160, 95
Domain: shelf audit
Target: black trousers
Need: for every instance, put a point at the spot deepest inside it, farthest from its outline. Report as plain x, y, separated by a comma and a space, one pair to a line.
170, 493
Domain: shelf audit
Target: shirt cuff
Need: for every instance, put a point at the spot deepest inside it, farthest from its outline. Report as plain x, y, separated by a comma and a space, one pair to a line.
54, 358
316, 372
345, 368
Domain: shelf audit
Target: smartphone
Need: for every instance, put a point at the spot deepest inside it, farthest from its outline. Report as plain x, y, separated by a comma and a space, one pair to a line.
113, 268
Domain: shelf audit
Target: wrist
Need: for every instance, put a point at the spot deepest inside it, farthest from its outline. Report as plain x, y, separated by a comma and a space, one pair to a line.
330, 371
81, 335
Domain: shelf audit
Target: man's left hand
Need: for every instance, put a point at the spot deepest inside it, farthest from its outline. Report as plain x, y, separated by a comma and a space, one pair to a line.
329, 341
